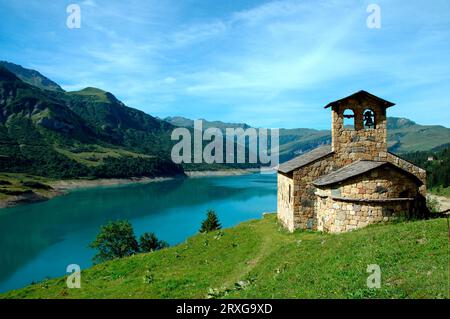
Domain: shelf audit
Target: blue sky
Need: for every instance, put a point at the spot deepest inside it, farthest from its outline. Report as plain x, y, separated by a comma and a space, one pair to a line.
267, 63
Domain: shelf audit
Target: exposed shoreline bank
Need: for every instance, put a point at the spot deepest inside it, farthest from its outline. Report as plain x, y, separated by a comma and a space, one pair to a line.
65, 185
228, 172
61, 187
28, 198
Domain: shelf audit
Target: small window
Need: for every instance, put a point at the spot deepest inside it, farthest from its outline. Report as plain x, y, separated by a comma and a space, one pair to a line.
289, 193
369, 119
349, 119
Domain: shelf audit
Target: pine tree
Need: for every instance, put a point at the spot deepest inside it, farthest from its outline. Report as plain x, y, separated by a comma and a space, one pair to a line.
211, 222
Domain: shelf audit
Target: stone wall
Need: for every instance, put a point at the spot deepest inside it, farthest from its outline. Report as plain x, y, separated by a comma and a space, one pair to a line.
285, 201
382, 183
420, 173
381, 195
301, 213
304, 192
338, 216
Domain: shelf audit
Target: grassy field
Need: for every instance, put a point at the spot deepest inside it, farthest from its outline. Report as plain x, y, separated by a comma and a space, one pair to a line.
418, 137
441, 191
16, 184
259, 259
98, 153
97, 94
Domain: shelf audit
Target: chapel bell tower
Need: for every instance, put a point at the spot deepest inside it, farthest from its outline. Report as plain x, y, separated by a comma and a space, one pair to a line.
359, 127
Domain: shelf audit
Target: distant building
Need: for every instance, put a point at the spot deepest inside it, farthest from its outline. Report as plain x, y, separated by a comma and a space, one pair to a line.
430, 158
355, 181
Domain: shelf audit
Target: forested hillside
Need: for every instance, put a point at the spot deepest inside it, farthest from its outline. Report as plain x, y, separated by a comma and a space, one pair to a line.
437, 164
77, 134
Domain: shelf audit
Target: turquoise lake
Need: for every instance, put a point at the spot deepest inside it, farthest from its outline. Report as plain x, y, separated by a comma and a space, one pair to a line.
39, 240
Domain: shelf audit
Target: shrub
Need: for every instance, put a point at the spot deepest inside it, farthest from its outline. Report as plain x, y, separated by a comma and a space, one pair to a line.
211, 222
115, 240
148, 242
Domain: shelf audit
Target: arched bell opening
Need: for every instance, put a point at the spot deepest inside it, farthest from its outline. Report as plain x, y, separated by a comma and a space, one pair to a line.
369, 119
349, 119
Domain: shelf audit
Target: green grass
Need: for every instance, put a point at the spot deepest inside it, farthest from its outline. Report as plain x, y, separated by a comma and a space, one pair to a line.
97, 94
418, 137
96, 157
441, 191
259, 259
16, 183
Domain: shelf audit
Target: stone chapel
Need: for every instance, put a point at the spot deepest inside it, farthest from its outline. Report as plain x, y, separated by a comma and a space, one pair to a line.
354, 181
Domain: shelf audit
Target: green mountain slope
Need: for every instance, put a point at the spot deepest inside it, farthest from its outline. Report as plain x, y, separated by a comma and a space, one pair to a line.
258, 259
57, 134
88, 133
118, 124
407, 136
30, 123
32, 77
294, 142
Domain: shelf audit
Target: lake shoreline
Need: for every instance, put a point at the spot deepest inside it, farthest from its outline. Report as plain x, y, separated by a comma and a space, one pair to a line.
66, 185
61, 187
227, 172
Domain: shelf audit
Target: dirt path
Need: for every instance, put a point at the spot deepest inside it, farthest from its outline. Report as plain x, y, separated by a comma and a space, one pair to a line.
267, 247
444, 202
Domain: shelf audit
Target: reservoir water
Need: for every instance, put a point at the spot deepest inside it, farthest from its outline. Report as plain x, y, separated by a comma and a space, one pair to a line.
39, 240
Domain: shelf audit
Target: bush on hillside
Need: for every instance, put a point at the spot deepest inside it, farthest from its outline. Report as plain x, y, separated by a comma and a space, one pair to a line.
115, 240
148, 242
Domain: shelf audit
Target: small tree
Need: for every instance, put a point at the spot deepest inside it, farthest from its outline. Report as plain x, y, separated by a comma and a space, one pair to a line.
115, 240
148, 242
211, 222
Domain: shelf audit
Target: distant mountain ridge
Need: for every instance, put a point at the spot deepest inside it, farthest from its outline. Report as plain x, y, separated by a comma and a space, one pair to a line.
404, 136
188, 123
32, 77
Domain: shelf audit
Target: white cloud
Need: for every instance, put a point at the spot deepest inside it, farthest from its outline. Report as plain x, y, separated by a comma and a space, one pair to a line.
195, 33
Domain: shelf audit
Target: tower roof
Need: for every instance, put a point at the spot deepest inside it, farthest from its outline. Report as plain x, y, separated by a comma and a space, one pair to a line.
360, 95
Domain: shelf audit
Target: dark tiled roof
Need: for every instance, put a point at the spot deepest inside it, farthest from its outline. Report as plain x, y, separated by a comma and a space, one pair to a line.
354, 169
305, 159
360, 94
